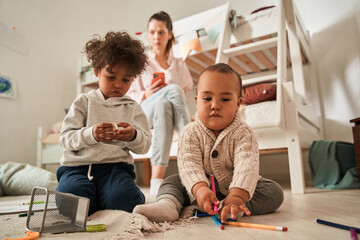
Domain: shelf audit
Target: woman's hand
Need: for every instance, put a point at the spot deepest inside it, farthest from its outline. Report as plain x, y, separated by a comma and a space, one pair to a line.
153, 89
127, 133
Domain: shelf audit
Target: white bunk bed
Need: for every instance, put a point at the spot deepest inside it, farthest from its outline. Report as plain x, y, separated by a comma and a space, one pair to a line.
292, 121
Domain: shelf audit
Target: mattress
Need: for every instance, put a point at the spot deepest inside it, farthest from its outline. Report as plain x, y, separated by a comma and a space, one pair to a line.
260, 114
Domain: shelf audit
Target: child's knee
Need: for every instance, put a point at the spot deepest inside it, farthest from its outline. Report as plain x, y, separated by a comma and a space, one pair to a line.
125, 199
172, 179
278, 196
275, 196
267, 198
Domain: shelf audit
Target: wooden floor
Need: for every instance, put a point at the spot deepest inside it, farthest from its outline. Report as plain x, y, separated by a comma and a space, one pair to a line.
298, 213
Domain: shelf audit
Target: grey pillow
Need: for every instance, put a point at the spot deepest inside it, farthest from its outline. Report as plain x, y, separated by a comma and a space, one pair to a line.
21, 178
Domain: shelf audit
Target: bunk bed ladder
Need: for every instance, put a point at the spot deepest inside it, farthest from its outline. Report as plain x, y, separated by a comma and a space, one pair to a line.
285, 89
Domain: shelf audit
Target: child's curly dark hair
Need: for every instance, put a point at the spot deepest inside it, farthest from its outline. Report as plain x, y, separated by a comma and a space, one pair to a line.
117, 48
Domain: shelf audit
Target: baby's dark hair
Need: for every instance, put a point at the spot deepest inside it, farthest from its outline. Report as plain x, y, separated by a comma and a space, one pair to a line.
117, 48
224, 68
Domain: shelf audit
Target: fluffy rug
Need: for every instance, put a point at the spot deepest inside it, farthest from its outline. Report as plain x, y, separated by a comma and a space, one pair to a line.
119, 225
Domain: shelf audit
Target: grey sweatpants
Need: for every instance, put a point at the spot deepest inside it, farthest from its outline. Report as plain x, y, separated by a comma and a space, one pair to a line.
268, 195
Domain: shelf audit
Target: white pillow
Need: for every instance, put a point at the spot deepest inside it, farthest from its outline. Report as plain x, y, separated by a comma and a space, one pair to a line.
21, 178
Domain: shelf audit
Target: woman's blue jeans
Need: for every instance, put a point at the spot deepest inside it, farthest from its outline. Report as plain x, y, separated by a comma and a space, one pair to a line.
165, 110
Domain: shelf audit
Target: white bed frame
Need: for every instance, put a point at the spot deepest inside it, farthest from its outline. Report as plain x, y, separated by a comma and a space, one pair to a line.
249, 49
47, 153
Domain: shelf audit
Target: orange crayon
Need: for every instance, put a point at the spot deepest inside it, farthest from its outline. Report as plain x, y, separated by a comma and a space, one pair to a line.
254, 225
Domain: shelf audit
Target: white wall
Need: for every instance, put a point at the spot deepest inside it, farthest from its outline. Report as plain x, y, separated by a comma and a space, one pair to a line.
335, 30
58, 30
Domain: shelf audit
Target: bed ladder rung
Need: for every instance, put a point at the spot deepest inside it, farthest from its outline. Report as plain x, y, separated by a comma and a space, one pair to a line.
267, 78
251, 47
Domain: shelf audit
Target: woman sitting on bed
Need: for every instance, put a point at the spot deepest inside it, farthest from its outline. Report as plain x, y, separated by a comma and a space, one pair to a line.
165, 104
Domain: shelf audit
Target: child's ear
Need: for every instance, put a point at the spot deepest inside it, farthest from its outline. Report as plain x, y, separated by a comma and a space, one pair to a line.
239, 101
195, 99
96, 72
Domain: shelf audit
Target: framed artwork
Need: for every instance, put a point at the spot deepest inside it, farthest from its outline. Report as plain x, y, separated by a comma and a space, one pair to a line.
7, 87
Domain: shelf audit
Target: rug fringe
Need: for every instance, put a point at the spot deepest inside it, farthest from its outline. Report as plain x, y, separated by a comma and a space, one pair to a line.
140, 225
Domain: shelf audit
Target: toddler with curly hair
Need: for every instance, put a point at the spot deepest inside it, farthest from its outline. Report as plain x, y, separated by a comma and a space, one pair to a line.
103, 125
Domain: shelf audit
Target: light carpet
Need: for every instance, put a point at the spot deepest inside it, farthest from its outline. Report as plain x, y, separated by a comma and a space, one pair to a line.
119, 225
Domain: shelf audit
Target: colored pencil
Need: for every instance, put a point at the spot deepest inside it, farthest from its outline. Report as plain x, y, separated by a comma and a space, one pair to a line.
35, 202
331, 224
216, 208
218, 222
201, 214
260, 226
25, 214
353, 234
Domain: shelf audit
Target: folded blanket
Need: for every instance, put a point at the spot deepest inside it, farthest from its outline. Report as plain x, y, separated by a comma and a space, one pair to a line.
21, 178
333, 165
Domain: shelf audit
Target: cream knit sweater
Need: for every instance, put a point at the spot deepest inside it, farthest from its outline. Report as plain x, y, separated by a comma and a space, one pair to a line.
232, 157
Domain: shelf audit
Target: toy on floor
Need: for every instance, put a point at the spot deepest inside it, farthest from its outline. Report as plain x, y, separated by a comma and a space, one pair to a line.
56, 212
30, 236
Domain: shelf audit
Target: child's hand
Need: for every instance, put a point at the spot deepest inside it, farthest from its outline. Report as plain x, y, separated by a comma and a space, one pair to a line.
127, 133
205, 198
103, 132
234, 203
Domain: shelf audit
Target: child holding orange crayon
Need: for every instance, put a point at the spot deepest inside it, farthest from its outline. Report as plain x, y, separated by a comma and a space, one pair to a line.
217, 143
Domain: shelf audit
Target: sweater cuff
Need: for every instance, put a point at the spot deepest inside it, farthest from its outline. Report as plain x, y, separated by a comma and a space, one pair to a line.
247, 183
136, 141
190, 182
140, 145
88, 136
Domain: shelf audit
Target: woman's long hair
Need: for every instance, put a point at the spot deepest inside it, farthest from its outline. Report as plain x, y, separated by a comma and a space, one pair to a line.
164, 17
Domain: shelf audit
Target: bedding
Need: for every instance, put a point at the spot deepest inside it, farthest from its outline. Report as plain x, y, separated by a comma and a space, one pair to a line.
258, 93
21, 178
260, 114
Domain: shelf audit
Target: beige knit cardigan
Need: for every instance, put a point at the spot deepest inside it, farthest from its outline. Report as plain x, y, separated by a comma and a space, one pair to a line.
232, 157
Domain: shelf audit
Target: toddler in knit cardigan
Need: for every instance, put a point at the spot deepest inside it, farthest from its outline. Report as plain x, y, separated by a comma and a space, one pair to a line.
217, 143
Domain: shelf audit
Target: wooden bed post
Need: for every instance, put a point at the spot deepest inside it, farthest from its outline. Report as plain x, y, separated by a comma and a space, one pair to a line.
39, 148
296, 167
294, 48
289, 106
224, 38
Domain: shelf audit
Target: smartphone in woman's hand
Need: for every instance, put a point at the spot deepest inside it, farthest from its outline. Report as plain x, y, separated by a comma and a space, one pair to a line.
157, 76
